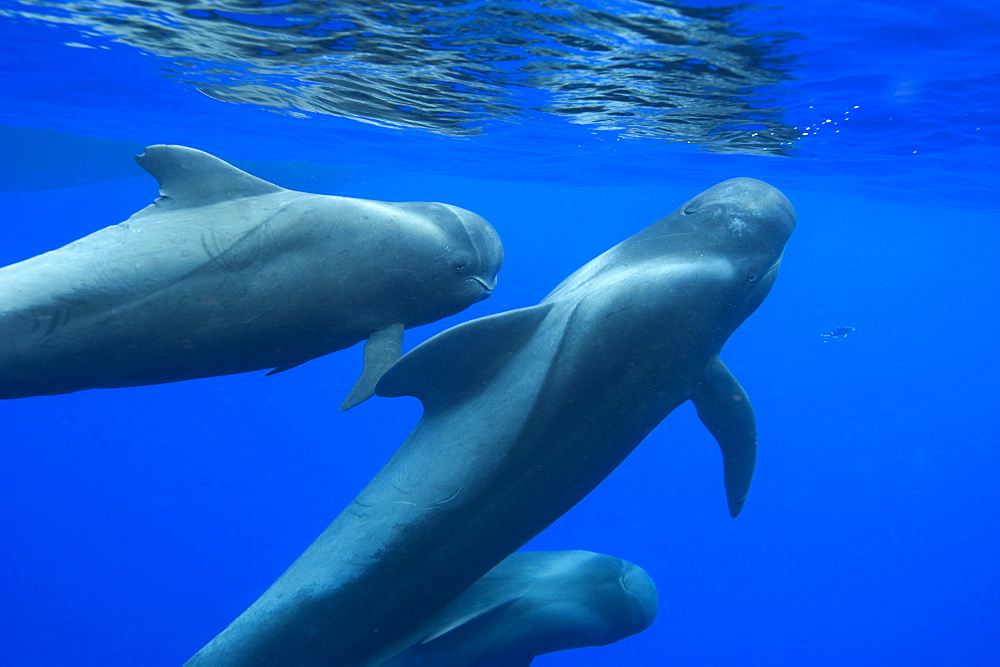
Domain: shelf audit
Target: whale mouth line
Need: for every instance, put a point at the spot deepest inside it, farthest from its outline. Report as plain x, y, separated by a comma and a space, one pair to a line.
489, 290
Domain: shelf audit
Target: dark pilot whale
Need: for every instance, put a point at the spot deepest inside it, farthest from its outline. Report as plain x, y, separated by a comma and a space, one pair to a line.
227, 273
525, 412
537, 602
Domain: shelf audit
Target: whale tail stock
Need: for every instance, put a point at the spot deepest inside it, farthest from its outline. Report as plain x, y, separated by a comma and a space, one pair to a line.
725, 410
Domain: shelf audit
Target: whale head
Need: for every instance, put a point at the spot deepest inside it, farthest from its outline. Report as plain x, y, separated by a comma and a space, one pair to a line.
744, 219
455, 265
537, 602
639, 591
739, 212
477, 255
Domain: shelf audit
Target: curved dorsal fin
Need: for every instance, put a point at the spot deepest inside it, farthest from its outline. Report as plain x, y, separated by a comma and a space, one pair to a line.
460, 361
189, 177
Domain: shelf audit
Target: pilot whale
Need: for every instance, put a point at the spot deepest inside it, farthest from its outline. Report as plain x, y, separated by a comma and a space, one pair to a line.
537, 602
227, 273
525, 412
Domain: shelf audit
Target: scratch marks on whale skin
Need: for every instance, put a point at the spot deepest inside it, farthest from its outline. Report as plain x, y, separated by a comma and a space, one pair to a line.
236, 255
446, 500
437, 504
45, 322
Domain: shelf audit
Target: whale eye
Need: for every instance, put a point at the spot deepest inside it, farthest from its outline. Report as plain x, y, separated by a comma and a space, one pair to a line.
459, 265
753, 277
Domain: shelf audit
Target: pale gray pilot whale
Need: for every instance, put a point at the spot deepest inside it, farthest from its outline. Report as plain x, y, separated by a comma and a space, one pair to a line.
227, 273
525, 412
537, 602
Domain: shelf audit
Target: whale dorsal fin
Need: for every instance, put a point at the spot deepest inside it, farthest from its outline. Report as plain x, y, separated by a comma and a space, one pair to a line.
460, 361
189, 177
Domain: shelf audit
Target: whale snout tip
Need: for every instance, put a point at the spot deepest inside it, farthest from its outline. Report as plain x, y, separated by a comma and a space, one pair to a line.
486, 246
642, 590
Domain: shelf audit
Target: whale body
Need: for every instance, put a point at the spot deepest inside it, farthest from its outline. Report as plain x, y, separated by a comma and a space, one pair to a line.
525, 412
227, 273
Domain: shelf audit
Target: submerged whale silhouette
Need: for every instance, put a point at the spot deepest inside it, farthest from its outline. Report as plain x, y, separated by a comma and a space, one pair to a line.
525, 412
227, 273
536, 602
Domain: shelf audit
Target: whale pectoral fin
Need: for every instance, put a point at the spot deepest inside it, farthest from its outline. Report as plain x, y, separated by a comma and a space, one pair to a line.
462, 359
457, 618
725, 409
189, 177
281, 369
382, 350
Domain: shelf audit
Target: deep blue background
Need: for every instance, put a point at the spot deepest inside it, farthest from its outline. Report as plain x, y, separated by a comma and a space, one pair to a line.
137, 523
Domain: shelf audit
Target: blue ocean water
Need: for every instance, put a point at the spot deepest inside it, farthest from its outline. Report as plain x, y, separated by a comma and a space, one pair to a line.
137, 523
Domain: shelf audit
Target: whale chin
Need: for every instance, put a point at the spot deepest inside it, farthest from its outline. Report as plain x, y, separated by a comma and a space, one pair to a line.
485, 289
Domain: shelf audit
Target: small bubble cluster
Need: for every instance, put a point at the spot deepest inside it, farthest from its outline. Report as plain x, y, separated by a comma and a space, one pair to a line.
814, 129
836, 332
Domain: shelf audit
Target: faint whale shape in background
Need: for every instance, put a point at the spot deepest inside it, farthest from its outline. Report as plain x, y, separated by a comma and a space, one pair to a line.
227, 273
526, 412
537, 602
67, 161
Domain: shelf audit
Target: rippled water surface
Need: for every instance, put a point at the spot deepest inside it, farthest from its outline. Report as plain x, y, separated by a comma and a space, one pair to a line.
639, 69
883, 94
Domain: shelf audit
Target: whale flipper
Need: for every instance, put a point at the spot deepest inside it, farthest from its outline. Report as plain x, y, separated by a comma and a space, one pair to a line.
725, 410
189, 177
383, 349
463, 617
282, 369
452, 365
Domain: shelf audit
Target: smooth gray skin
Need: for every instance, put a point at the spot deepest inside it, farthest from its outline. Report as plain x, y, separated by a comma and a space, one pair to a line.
534, 603
525, 412
227, 273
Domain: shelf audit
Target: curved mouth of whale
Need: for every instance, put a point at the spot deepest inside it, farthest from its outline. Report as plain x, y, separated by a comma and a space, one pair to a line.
772, 270
486, 286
